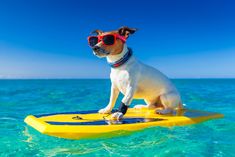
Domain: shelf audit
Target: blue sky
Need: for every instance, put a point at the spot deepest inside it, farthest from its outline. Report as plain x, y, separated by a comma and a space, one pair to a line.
183, 38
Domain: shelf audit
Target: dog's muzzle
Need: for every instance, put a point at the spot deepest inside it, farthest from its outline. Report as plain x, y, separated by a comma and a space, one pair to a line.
100, 52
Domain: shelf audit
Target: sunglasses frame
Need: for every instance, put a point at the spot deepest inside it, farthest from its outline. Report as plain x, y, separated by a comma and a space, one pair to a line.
100, 38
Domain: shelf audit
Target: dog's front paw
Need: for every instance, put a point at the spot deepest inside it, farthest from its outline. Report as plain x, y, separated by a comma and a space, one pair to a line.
117, 115
104, 111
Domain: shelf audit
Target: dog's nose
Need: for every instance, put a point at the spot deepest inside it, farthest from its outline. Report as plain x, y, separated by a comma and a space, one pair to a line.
95, 48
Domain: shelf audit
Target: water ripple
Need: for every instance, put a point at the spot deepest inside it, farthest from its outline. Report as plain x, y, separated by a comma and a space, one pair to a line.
20, 98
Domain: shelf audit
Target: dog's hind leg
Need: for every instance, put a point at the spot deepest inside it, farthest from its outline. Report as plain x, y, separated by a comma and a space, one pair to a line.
169, 101
149, 105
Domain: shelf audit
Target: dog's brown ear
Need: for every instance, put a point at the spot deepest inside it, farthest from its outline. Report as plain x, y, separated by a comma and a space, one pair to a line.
97, 32
126, 31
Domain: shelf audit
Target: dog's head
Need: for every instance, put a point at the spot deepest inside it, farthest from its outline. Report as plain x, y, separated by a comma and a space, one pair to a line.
109, 43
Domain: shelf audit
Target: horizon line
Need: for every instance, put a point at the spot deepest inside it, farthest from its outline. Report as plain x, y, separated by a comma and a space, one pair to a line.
109, 78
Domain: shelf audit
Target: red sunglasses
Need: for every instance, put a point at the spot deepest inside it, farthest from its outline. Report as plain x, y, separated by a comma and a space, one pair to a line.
108, 39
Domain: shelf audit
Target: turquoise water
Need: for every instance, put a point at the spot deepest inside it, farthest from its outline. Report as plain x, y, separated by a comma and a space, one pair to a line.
19, 98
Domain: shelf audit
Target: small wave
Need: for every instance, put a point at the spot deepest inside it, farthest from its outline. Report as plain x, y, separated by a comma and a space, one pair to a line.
8, 118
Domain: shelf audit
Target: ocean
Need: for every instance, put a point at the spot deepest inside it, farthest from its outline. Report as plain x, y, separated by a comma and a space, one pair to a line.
19, 98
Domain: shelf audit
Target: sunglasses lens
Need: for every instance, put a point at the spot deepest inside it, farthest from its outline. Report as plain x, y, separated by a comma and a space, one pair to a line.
109, 39
93, 41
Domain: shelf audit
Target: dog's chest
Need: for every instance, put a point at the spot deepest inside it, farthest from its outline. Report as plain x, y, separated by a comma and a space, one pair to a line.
121, 79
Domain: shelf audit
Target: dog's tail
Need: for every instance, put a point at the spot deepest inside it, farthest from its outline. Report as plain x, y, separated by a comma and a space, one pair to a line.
181, 105
180, 111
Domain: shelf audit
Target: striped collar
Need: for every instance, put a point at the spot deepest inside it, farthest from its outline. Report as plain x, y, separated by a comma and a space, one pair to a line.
123, 60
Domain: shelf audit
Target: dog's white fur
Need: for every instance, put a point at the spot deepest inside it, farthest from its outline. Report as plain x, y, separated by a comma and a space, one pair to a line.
139, 81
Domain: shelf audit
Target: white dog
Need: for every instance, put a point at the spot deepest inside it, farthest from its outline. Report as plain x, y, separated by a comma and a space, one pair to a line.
132, 78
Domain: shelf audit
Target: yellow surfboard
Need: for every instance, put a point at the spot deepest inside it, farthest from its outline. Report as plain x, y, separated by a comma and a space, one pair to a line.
90, 124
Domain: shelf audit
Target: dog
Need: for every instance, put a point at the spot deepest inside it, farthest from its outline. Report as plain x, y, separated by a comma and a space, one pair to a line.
131, 77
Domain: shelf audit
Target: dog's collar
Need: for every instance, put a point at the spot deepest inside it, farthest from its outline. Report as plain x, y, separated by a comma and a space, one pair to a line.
123, 60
